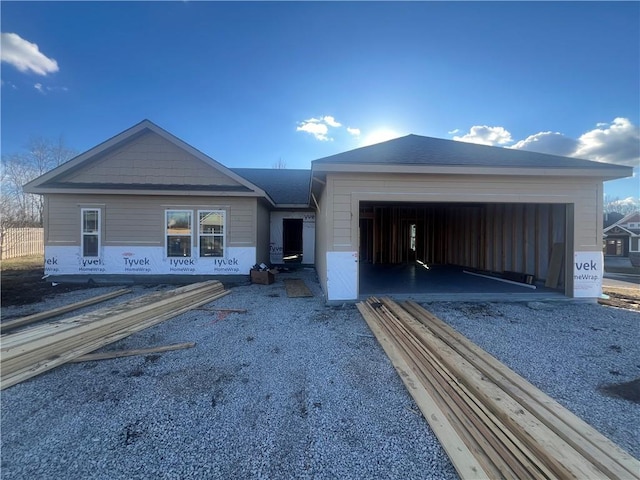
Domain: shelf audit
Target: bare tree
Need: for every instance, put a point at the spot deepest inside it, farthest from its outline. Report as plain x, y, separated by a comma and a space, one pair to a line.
280, 164
623, 207
17, 208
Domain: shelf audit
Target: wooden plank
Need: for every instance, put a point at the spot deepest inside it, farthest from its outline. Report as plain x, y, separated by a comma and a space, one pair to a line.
59, 358
555, 265
133, 352
36, 348
465, 464
20, 322
92, 320
108, 311
32, 351
512, 450
594, 446
556, 454
489, 436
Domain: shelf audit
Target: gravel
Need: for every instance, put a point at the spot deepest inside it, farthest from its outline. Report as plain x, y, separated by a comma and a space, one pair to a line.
292, 388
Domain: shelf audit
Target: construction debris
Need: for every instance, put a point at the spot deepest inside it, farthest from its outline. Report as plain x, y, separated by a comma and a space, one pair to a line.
295, 287
130, 353
491, 422
31, 351
36, 317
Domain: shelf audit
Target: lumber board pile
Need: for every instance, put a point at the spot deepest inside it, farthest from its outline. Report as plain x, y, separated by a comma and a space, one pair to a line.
34, 350
36, 317
628, 303
491, 422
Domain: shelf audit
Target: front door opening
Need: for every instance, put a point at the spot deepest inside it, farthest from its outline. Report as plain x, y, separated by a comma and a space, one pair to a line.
614, 247
292, 240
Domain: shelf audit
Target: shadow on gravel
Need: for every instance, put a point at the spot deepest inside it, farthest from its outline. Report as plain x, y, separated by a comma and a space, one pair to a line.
627, 390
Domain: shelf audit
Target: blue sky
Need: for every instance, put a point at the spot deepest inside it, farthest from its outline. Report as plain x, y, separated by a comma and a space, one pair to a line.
251, 84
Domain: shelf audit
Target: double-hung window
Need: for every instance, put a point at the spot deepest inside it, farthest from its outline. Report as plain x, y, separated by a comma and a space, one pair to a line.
178, 227
90, 232
211, 232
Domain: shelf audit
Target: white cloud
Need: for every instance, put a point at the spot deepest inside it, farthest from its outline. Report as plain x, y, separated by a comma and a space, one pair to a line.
454, 131
329, 120
353, 131
315, 128
38, 86
25, 56
615, 142
485, 135
554, 143
319, 127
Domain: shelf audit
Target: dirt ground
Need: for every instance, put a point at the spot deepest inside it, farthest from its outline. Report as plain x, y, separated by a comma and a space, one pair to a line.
21, 282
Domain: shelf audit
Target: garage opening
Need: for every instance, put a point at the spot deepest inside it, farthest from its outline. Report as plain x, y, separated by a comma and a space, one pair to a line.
292, 240
461, 247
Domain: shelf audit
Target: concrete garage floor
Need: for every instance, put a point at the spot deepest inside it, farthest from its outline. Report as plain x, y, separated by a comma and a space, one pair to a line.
444, 283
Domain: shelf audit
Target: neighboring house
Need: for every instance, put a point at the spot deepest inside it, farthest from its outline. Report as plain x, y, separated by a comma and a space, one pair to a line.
146, 203
609, 218
623, 237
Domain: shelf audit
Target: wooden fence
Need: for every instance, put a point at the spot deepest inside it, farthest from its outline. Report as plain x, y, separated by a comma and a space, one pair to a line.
21, 242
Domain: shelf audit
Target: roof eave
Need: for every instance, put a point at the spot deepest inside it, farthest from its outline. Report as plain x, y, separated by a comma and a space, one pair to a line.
155, 192
615, 225
609, 172
296, 206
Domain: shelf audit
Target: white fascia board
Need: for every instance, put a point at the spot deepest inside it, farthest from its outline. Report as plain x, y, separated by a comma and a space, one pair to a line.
608, 174
178, 193
615, 225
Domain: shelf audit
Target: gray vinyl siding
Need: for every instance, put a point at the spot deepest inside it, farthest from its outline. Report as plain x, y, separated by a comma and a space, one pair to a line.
149, 159
139, 220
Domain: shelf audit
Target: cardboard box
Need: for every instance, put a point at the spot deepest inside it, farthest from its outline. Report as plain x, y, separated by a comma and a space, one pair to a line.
263, 278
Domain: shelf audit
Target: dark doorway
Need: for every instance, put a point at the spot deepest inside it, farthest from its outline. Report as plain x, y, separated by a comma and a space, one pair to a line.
615, 246
292, 240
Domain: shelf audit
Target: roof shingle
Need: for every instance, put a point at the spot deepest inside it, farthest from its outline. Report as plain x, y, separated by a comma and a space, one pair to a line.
284, 186
419, 150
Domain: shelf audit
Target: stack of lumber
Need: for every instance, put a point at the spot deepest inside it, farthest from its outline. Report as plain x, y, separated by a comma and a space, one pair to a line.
36, 317
34, 350
628, 303
491, 422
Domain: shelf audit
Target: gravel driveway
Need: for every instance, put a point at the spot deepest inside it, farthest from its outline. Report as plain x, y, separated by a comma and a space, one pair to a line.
291, 389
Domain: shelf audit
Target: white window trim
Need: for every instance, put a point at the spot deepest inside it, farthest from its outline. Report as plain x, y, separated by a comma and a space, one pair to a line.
166, 234
82, 233
224, 231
